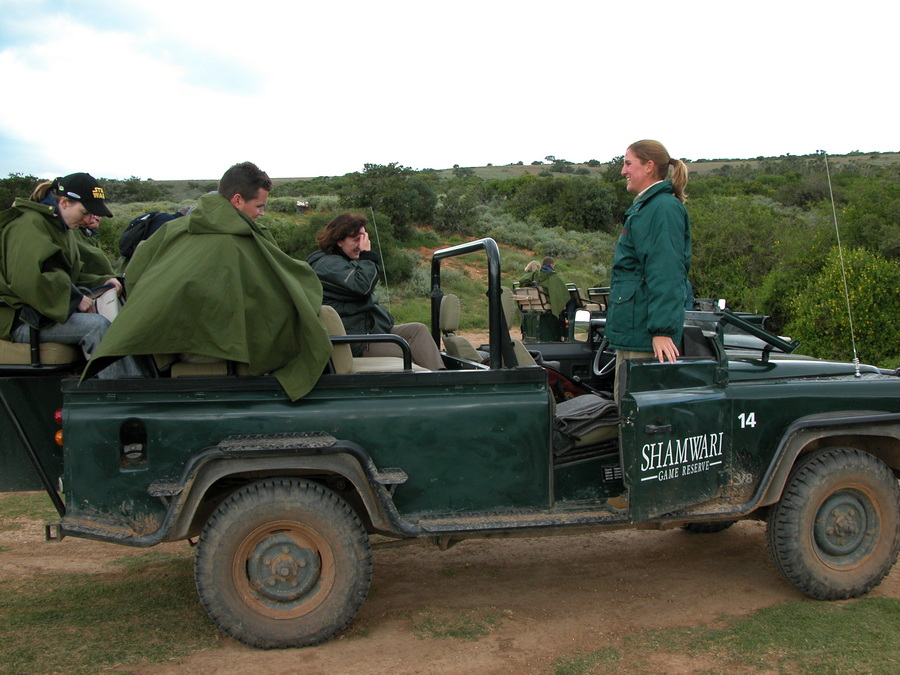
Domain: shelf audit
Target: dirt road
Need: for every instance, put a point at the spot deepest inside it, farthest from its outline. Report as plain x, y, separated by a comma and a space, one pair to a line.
543, 599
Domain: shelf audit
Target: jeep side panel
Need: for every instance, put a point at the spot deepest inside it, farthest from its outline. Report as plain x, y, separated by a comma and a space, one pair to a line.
468, 441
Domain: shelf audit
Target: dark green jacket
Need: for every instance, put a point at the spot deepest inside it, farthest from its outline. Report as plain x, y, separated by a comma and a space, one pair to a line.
556, 288
348, 286
40, 264
650, 270
215, 283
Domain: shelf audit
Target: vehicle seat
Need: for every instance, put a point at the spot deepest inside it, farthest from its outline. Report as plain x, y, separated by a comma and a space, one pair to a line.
342, 359
532, 299
695, 343
584, 420
49, 354
600, 296
456, 345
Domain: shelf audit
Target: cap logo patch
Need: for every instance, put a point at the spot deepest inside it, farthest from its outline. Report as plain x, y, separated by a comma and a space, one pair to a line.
97, 193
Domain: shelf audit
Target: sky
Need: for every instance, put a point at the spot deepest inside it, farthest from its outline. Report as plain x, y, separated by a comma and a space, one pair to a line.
169, 90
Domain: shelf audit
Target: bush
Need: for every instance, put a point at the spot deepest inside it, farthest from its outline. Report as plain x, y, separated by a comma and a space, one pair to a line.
819, 314
16, 185
282, 205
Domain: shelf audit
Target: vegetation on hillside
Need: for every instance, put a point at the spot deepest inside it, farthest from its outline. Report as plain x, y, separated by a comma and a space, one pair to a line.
763, 230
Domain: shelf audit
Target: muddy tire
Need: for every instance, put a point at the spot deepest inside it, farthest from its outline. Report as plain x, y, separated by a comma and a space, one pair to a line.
836, 531
708, 527
283, 563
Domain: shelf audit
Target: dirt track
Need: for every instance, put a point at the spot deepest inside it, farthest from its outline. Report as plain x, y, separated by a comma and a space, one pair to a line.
552, 597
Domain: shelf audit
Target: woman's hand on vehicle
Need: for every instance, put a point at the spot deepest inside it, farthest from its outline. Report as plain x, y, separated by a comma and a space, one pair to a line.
664, 348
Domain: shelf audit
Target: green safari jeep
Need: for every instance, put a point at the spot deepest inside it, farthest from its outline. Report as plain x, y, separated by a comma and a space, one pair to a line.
285, 500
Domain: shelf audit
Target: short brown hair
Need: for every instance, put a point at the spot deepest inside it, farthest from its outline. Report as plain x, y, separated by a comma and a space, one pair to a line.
244, 179
340, 227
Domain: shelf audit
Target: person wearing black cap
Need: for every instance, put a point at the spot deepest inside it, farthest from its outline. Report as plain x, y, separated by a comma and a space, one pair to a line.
42, 274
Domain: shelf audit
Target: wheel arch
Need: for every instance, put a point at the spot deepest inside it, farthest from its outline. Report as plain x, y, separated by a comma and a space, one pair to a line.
875, 433
344, 468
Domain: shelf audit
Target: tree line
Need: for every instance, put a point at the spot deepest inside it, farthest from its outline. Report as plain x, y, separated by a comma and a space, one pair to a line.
764, 234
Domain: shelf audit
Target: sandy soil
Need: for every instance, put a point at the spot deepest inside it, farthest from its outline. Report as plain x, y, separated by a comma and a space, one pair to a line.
552, 598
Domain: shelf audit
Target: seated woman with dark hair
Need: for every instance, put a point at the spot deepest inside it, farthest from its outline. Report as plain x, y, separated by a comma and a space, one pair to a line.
348, 270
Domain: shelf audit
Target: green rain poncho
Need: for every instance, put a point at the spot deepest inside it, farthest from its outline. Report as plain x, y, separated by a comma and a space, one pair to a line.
550, 282
40, 262
215, 283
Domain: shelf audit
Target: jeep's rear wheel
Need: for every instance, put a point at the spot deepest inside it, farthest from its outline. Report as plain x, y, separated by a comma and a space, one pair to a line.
283, 563
835, 533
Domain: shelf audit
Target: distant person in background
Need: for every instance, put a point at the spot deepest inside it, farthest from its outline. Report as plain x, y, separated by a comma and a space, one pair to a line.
43, 279
348, 269
547, 278
648, 284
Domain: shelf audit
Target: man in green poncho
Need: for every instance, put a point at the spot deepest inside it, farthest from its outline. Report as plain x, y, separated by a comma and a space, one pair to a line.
93, 257
547, 278
215, 283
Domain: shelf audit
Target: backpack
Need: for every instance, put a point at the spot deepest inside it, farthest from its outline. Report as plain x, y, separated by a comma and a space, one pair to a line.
142, 227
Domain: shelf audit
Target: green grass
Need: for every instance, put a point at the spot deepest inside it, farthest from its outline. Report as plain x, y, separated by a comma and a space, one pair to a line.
35, 506
582, 664
817, 638
802, 637
78, 623
444, 623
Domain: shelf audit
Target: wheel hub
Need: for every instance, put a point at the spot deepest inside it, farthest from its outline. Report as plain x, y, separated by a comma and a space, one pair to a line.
842, 525
282, 570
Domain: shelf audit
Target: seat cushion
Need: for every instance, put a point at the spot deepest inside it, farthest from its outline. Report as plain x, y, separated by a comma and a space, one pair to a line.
461, 348
52, 353
378, 364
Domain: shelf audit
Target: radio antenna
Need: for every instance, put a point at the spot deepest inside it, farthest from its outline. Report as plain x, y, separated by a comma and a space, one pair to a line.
837, 232
387, 290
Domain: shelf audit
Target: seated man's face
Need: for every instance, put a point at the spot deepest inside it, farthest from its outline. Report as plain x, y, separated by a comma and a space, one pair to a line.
351, 246
252, 208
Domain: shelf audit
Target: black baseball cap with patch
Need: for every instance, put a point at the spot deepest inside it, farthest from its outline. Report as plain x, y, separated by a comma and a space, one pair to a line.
84, 188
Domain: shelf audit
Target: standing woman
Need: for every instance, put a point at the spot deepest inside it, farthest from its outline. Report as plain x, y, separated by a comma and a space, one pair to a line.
648, 283
41, 269
348, 269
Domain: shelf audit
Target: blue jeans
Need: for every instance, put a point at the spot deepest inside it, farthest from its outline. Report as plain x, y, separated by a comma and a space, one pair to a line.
85, 330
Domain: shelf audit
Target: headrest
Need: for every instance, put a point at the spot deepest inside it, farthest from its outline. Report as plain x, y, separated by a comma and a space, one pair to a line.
332, 320
450, 313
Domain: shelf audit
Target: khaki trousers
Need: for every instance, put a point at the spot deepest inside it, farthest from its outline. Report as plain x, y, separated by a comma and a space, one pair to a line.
424, 352
622, 355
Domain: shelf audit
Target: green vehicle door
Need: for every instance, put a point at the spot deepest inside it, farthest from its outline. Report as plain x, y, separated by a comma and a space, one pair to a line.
676, 446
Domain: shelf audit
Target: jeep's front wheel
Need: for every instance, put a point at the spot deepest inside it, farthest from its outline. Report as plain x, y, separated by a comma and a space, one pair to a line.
835, 533
283, 563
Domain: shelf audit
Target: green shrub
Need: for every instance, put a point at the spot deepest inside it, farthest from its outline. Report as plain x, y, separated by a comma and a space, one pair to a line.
281, 205
819, 315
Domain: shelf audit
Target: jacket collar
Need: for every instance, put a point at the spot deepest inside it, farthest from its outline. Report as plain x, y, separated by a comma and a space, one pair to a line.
664, 186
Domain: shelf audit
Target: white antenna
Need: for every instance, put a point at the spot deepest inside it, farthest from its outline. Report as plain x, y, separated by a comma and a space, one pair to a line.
843, 269
381, 255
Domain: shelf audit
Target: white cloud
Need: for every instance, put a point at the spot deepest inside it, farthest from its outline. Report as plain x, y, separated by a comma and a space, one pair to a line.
183, 90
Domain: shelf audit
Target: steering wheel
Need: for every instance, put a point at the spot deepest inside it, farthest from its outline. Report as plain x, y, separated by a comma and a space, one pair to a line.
609, 366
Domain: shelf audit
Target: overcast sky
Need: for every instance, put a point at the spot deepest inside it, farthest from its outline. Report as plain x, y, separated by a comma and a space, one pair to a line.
182, 90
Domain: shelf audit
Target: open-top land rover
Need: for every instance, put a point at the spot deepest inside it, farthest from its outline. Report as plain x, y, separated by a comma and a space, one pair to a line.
285, 499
